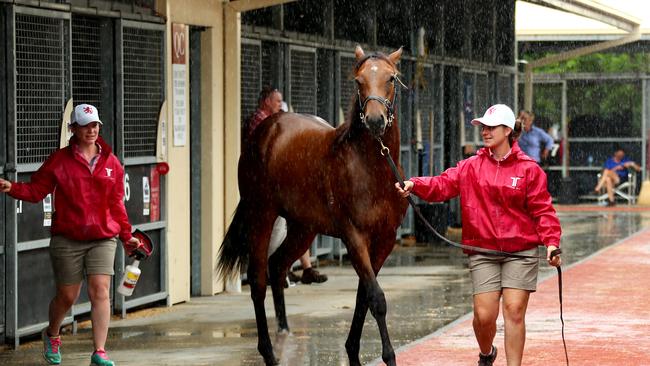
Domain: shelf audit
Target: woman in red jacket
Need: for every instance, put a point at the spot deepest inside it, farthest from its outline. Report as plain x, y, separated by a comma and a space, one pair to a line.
505, 206
88, 184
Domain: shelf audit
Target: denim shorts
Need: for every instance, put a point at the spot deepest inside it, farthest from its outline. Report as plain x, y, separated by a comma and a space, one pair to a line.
494, 273
72, 259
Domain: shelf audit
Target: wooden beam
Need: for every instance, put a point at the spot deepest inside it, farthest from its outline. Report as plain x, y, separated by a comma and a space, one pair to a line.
593, 10
246, 5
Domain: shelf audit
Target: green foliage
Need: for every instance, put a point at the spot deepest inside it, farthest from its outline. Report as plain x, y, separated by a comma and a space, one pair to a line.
616, 101
597, 63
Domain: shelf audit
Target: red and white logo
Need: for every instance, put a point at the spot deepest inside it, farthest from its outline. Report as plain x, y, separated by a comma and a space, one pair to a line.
514, 181
108, 172
491, 110
88, 110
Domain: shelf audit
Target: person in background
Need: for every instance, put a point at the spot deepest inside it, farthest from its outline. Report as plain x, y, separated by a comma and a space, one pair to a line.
87, 180
505, 206
615, 173
269, 103
534, 141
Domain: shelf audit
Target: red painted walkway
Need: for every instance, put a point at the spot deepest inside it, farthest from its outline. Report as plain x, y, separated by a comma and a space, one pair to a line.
606, 311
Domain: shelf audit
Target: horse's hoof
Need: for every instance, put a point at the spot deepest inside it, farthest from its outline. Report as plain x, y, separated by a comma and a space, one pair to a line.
272, 362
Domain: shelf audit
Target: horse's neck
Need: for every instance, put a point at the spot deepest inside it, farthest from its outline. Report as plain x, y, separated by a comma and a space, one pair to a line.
353, 131
357, 137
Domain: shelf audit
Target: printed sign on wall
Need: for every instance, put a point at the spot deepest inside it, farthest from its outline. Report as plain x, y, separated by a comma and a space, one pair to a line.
146, 196
179, 71
47, 210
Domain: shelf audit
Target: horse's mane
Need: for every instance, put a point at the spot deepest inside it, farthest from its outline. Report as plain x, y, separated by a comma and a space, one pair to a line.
349, 128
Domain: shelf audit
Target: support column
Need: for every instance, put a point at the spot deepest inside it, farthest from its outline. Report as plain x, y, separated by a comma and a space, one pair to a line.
232, 78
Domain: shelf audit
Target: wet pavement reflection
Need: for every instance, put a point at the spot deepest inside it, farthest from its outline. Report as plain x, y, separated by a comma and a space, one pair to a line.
427, 287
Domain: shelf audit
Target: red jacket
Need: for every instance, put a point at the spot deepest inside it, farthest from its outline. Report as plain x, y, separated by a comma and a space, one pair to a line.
87, 206
505, 204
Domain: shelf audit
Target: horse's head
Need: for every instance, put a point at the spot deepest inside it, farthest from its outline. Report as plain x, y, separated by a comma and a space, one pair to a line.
376, 76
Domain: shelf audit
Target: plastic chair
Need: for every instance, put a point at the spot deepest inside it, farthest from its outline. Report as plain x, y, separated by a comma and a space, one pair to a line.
625, 190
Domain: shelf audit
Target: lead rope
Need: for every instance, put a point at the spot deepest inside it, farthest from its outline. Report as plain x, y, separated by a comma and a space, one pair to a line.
386, 153
559, 286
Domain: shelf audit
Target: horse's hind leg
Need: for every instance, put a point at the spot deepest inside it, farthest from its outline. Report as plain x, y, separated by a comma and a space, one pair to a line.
295, 244
259, 235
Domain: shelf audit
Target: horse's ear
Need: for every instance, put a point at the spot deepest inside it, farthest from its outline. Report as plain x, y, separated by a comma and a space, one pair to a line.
358, 53
394, 57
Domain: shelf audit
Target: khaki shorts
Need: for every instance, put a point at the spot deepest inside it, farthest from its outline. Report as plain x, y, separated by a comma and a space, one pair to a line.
71, 258
493, 273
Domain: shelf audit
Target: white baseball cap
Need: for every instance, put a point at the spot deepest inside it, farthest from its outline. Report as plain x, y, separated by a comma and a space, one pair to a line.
498, 114
84, 114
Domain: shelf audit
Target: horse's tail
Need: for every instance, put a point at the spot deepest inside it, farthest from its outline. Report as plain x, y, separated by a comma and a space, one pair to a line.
233, 255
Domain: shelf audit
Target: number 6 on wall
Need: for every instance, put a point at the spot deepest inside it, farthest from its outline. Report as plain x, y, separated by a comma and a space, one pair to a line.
127, 188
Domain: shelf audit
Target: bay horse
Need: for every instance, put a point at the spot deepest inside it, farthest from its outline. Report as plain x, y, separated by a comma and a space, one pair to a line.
322, 180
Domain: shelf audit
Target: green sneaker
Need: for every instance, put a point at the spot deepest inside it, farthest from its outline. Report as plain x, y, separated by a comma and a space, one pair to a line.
100, 358
51, 351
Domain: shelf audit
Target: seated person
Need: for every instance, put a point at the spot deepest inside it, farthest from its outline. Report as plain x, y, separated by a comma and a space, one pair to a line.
614, 173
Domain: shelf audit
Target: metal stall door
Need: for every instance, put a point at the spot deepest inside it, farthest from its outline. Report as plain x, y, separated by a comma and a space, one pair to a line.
251, 78
140, 94
301, 85
405, 102
195, 160
425, 132
346, 88
475, 103
326, 92
326, 84
301, 92
41, 75
92, 83
5, 210
429, 146
505, 90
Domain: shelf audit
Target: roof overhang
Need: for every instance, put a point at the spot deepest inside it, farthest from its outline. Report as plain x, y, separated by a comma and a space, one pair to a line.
246, 5
593, 10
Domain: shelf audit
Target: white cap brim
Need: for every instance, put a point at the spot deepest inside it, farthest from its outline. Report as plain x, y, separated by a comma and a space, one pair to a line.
492, 122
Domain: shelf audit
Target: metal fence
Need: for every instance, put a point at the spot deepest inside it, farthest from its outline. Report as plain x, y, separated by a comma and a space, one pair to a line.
86, 61
143, 65
251, 76
42, 84
302, 79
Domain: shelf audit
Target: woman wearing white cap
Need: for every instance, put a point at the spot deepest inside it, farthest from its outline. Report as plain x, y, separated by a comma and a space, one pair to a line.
506, 207
88, 184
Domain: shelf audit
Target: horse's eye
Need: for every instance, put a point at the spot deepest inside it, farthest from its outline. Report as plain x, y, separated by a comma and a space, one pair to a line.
391, 79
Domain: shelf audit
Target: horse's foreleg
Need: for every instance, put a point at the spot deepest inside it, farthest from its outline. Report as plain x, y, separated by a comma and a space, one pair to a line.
369, 296
352, 344
377, 304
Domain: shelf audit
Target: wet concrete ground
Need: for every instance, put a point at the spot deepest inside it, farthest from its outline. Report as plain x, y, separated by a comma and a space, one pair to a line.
426, 288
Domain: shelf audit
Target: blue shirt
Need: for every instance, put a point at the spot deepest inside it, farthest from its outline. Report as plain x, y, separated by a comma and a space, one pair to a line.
531, 142
611, 164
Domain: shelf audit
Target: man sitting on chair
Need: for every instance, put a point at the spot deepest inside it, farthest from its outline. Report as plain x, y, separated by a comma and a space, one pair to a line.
614, 173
